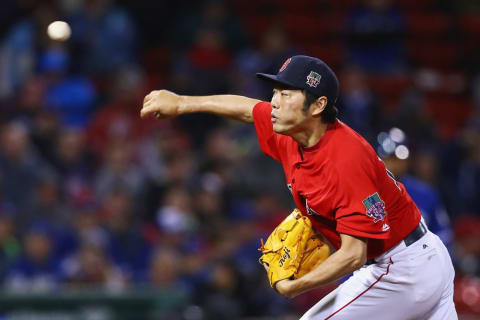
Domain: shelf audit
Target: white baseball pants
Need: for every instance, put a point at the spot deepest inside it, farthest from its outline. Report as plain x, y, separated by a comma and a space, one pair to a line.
405, 283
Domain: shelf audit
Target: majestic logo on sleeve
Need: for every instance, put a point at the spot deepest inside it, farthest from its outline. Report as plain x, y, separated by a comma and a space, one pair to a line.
285, 64
313, 79
375, 207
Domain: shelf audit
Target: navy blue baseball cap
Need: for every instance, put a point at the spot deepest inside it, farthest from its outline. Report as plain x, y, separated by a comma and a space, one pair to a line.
307, 73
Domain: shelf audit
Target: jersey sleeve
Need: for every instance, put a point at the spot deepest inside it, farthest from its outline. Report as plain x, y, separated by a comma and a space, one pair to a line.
266, 136
358, 204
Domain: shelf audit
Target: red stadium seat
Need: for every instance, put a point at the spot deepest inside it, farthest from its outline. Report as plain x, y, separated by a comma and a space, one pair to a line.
257, 25
344, 5
416, 5
300, 6
427, 25
312, 26
390, 89
331, 52
156, 59
449, 111
247, 6
441, 55
470, 25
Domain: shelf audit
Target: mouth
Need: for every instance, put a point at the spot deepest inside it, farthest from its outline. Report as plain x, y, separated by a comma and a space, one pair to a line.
274, 119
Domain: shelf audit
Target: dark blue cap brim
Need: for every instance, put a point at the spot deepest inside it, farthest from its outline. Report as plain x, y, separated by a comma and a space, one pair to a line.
274, 79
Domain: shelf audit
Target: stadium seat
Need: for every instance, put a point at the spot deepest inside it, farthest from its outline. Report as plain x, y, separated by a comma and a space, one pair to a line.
427, 25
449, 111
331, 52
311, 27
256, 26
156, 59
389, 88
438, 55
299, 6
470, 25
416, 5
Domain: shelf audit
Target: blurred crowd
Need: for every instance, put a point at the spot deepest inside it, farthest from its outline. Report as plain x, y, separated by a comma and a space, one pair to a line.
91, 195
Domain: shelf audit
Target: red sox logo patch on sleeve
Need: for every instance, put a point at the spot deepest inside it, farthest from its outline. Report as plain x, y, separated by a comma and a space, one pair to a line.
375, 207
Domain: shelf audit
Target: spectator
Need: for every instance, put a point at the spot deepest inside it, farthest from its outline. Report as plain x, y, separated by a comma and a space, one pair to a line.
461, 172
118, 120
104, 36
19, 47
165, 270
165, 278
467, 246
45, 203
90, 267
358, 105
213, 15
120, 171
71, 97
88, 228
125, 243
36, 269
222, 295
20, 167
175, 215
9, 243
274, 49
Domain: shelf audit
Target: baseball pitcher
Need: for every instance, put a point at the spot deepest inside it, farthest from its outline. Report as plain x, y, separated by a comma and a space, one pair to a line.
344, 195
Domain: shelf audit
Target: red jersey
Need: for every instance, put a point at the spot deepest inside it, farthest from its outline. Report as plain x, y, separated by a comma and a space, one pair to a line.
341, 185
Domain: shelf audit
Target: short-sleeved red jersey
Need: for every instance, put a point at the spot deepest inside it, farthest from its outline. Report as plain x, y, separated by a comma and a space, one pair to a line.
341, 184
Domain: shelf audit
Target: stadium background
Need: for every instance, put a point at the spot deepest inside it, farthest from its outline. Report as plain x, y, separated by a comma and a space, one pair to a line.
106, 216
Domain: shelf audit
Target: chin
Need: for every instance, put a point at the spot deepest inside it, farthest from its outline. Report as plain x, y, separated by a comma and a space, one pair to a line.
279, 129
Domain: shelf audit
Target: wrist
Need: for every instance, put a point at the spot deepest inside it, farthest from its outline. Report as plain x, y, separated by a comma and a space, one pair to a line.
182, 107
301, 285
287, 288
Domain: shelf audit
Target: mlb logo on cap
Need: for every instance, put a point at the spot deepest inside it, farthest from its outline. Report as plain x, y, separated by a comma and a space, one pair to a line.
313, 79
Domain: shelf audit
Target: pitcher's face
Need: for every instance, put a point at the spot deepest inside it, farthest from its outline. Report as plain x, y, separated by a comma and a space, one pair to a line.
287, 111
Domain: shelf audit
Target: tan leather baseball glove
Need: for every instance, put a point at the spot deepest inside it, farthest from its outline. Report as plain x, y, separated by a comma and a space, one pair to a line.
293, 249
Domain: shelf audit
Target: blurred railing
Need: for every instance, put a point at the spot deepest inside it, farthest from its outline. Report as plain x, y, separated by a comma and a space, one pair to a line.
91, 304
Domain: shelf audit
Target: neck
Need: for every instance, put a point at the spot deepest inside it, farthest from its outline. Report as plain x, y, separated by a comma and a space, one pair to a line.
311, 134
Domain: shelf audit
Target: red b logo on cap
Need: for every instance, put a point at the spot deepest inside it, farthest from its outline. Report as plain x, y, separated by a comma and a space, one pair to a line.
285, 64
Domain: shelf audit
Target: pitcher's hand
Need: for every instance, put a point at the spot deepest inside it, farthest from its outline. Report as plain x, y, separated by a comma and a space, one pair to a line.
162, 104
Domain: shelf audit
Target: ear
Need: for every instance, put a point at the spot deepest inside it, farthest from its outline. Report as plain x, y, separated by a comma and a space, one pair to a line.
318, 106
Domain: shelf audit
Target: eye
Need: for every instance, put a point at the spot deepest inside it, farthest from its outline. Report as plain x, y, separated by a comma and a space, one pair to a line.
284, 94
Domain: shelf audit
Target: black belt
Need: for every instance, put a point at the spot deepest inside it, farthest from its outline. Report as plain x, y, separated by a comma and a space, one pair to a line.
415, 235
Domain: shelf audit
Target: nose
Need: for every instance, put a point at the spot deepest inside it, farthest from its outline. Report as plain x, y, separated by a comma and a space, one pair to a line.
274, 101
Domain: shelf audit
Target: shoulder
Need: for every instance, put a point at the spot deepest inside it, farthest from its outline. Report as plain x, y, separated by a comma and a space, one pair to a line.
262, 107
349, 150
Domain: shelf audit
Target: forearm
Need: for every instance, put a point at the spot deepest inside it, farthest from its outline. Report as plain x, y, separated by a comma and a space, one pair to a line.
351, 256
334, 267
231, 106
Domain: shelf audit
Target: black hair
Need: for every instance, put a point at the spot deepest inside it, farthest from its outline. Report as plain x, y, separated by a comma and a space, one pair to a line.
329, 114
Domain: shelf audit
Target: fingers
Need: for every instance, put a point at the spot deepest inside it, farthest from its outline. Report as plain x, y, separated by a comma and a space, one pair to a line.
265, 265
146, 110
147, 98
153, 104
147, 105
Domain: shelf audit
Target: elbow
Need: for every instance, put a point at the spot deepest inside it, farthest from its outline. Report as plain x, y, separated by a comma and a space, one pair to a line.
248, 117
358, 261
